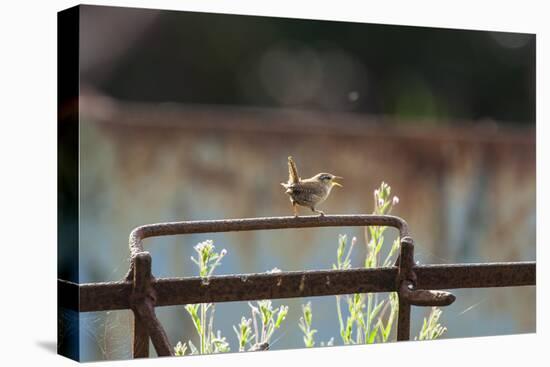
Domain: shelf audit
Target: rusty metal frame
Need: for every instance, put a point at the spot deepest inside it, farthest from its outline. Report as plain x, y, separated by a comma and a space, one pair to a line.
416, 285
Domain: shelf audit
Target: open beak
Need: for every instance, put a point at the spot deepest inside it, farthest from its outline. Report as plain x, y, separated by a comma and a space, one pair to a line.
334, 183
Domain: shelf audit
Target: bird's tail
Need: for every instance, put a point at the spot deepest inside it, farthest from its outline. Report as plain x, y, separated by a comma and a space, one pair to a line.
292, 171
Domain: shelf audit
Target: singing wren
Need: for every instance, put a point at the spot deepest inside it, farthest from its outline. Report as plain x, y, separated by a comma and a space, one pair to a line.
309, 192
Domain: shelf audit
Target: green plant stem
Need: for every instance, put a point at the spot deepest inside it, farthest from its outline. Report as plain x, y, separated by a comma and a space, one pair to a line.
340, 320
369, 311
203, 330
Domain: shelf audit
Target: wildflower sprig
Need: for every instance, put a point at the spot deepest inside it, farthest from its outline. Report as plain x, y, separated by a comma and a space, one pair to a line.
244, 333
369, 319
305, 325
431, 328
202, 315
208, 259
270, 318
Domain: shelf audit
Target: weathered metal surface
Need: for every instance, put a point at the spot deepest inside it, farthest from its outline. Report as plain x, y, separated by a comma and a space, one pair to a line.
271, 286
146, 312
173, 291
142, 302
224, 288
140, 343
102, 296
488, 275
416, 284
249, 224
141, 288
404, 279
428, 298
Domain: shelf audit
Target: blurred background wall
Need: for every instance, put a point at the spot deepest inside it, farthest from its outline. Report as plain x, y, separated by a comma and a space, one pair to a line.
188, 116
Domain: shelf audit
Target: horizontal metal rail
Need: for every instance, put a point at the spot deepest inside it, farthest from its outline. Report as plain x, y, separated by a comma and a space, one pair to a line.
416, 285
226, 288
249, 224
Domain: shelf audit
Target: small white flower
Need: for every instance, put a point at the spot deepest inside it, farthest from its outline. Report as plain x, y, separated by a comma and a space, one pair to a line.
395, 200
205, 244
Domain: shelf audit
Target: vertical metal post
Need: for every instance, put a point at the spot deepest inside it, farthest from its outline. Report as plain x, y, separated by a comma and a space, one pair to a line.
143, 305
141, 339
406, 262
142, 279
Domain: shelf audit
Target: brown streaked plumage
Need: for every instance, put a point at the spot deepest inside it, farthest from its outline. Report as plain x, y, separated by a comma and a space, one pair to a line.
308, 192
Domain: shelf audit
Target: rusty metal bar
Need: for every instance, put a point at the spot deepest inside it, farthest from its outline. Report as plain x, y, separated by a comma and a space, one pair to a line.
452, 276
146, 312
142, 302
140, 289
249, 224
224, 288
427, 298
140, 343
415, 284
103, 296
174, 291
405, 280
280, 285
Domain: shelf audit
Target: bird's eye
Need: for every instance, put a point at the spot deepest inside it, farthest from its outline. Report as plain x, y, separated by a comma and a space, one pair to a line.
325, 178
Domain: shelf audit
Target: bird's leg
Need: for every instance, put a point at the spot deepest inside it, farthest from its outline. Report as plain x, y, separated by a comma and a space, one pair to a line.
295, 208
321, 213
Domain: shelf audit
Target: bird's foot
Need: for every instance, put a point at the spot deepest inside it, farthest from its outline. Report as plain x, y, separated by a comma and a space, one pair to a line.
320, 212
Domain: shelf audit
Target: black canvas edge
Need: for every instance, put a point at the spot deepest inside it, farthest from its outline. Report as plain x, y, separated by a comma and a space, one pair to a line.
68, 325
